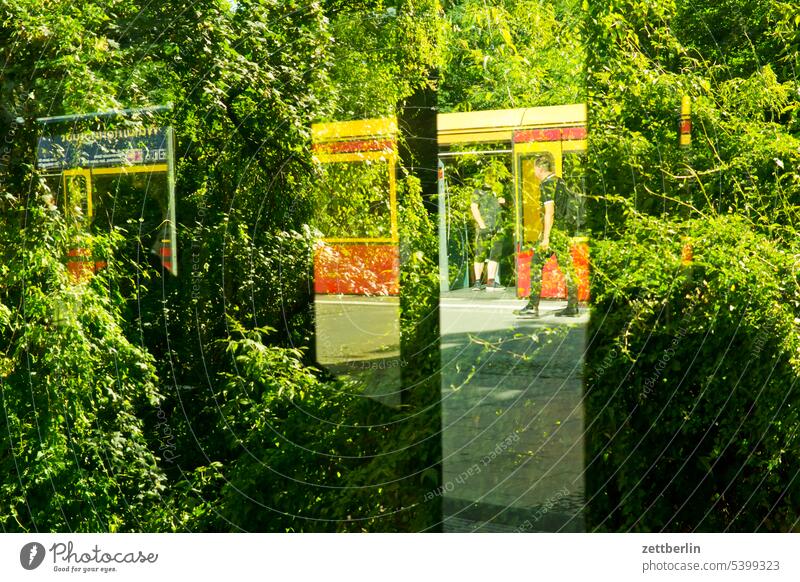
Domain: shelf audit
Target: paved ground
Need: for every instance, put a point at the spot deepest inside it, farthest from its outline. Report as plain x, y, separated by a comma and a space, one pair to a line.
512, 415
359, 337
511, 401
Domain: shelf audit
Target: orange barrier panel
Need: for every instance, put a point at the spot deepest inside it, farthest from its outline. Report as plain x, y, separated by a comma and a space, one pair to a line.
553, 284
81, 265
357, 269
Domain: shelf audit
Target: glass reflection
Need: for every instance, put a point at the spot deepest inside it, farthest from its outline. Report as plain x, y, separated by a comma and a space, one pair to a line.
357, 257
511, 382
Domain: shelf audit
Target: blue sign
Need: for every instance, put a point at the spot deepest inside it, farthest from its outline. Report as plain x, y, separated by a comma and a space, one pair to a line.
98, 149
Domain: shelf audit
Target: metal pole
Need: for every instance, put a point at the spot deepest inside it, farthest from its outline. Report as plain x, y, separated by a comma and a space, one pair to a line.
444, 268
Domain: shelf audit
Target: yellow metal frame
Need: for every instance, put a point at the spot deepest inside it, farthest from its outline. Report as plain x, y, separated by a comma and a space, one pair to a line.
367, 129
528, 226
152, 168
499, 125
350, 130
89, 173
539, 147
87, 176
573, 146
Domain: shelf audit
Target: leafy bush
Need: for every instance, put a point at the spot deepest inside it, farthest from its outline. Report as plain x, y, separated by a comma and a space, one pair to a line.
692, 391
692, 412
74, 391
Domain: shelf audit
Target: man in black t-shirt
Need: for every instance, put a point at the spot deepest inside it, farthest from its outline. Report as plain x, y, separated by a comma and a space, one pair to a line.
561, 219
487, 211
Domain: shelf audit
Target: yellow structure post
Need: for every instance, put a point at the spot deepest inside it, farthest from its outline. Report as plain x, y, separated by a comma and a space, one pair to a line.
685, 124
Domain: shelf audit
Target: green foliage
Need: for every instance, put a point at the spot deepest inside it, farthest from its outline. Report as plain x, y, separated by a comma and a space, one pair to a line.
381, 55
744, 150
735, 33
302, 454
353, 200
246, 85
692, 365
74, 391
507, 54
692, 386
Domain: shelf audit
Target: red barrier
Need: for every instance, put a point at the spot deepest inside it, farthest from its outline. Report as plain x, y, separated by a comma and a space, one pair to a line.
554, 285
357, 269
81, 265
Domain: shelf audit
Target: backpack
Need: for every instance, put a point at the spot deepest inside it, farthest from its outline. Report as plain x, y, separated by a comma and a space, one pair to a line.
570, 208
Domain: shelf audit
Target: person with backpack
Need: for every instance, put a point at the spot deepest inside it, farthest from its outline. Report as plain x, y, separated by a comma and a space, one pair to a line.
561, 214
488, 211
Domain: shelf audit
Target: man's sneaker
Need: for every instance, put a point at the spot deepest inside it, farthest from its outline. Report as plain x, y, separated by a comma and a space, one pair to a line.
478, 286
495, 286
569, 311
529, 310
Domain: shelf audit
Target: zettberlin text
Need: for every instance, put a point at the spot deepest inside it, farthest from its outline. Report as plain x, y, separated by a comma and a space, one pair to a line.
671, 549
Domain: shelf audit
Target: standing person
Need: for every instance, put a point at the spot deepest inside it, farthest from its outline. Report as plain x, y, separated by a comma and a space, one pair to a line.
487, 211
561, 219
